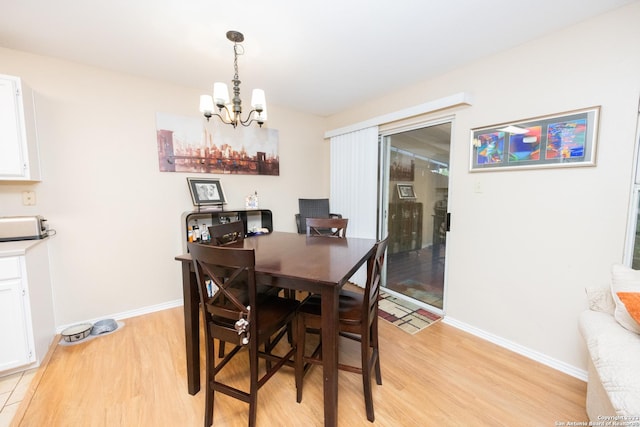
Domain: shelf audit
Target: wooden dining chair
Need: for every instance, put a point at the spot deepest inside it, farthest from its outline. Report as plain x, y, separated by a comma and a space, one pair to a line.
358, 320
226, 234
312, 208
232, 233
323, 227
227, 319
327, 227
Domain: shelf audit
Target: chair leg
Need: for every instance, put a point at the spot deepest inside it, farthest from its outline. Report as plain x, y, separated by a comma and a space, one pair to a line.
376, 351
366, 374
208, 406
299, 363
291, 294
209, 392
267, 349
253, 385
221, 349
290, 332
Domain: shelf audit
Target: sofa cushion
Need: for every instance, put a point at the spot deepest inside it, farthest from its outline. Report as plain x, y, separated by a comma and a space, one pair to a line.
600, 299
631, 301
624, 279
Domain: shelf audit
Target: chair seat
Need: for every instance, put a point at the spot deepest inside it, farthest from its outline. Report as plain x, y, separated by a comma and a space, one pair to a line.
349, 307
272, 312
241, 293
279, 310
267, 296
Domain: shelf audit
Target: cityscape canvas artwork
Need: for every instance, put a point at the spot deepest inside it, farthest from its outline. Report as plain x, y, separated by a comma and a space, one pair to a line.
567, 139
189, 144
402, 166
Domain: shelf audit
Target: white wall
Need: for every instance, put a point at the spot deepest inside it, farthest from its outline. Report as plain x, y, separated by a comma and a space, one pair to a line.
117, 217
118, 223
522, 251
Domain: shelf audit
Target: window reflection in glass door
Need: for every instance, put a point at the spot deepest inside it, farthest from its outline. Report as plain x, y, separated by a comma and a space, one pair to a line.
418, 162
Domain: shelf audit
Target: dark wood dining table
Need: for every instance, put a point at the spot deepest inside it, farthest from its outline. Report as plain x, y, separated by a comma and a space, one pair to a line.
292, 261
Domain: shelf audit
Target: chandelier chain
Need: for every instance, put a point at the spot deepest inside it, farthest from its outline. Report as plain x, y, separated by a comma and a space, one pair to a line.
237, 51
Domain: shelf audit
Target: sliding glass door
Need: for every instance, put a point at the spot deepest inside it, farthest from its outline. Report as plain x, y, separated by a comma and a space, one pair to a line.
414, 192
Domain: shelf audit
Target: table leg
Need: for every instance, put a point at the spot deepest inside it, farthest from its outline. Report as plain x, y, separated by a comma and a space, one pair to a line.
330, 354
191, 327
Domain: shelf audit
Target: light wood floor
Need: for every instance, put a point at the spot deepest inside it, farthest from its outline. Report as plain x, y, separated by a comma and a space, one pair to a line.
439, 377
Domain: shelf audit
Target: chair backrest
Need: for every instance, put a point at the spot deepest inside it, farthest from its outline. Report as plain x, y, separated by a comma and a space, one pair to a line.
311, 208
220, 272
327, 227
225, 234
374, 277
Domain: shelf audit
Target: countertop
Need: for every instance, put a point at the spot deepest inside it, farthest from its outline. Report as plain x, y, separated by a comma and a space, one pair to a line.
19, 247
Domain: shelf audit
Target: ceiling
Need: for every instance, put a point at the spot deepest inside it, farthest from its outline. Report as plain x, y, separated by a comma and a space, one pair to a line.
318, 57
432, 142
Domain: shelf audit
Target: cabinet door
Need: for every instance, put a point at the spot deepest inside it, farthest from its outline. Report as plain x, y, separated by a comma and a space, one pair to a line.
14, 326
12, 148
19, 157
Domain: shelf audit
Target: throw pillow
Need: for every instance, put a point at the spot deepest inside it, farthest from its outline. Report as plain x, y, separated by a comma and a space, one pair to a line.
624, 279
631, 301
600, 299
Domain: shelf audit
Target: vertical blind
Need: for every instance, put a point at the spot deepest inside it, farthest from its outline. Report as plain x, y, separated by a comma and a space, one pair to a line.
354, 184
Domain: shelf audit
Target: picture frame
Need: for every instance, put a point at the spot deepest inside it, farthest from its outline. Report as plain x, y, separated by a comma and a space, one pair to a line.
406, 192
206, 191
402, 165
186, 144
567, 139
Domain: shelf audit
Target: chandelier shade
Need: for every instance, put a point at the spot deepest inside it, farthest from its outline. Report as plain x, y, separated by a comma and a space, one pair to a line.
206, 104
220, 94
227, 109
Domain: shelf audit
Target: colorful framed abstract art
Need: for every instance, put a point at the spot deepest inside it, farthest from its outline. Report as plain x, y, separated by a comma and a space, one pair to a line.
560, 140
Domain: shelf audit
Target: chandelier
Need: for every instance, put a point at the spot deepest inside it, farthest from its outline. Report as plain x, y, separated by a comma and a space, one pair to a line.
230, 111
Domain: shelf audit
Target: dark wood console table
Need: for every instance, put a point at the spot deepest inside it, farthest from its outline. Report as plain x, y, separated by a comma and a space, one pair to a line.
253, 219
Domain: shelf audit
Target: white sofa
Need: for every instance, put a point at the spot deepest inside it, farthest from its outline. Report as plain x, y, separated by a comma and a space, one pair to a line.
613, 388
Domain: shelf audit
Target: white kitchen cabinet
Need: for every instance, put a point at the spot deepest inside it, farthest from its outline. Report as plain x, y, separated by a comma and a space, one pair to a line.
17, 349
19, 157
27, 325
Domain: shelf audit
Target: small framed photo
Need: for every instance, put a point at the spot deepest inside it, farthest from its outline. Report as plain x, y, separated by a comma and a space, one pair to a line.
206, 191
405, 191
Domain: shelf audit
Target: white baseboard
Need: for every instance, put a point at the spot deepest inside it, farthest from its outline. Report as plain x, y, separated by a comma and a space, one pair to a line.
128, 314
517, 348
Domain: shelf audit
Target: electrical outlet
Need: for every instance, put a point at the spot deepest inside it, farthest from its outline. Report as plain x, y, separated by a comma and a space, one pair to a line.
29, 198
